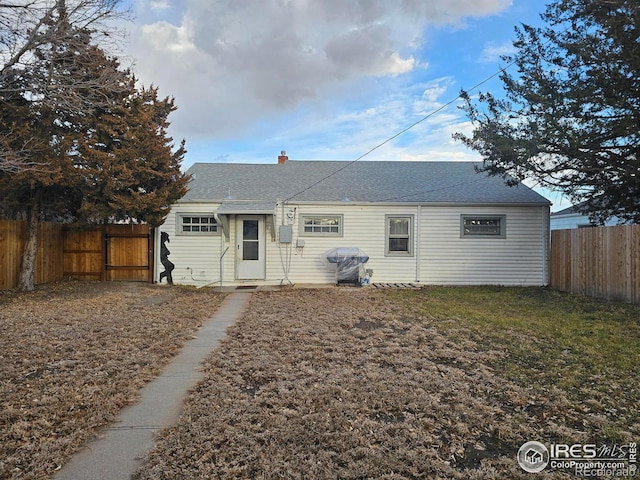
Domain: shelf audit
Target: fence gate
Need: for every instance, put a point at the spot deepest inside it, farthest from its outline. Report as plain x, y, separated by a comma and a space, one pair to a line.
109, 253
129, 253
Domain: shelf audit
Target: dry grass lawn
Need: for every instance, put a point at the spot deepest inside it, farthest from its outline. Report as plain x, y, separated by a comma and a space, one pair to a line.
73, 354
321, 384
440, 383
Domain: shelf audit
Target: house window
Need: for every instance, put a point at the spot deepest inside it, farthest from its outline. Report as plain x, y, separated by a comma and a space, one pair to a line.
399, 237
491, 226
198, 225
321, 225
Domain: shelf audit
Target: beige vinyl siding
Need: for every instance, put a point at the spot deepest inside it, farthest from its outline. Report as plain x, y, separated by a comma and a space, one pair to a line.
518, 259
444, 257
364, 227
196, 257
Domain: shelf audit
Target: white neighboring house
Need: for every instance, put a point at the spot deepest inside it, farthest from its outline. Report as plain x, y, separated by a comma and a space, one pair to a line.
426, 222
570, 217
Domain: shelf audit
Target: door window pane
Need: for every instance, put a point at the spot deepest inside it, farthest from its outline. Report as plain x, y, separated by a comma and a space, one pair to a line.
250, 244
250, 229
250, 250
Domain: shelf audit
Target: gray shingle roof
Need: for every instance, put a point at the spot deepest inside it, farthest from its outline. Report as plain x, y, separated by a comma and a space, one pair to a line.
383, 182
248, 207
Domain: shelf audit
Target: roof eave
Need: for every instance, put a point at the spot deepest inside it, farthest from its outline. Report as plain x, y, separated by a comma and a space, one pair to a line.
365, 203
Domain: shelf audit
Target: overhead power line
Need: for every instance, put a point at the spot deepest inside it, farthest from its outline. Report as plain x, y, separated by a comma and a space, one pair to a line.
413, 125
446, 187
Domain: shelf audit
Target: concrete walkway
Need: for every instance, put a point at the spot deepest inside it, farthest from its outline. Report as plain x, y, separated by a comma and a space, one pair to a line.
117, 454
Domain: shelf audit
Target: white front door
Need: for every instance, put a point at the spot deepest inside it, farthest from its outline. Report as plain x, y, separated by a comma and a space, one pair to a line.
250, 247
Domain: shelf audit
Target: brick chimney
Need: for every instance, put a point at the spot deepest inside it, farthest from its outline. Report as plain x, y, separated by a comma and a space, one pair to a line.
282, 158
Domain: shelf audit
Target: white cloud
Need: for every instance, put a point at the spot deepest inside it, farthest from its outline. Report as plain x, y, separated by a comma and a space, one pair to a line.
453, 11
230, 63
353, 130
164, 37
159, 4
433, 95
493, 52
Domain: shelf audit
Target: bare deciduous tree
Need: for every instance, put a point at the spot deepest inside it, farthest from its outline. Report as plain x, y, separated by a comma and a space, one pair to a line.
16, 159
28, 27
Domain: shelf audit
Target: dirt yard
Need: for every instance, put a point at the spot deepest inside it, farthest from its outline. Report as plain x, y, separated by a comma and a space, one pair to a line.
353, 384
73, 354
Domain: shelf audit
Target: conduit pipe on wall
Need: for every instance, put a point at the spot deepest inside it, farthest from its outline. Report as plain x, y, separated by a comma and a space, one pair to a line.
417, 246
221, 264
286, 261
221, 272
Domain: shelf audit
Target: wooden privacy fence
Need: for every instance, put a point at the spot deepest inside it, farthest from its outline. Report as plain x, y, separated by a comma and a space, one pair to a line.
108, 253
599, 262
49, 260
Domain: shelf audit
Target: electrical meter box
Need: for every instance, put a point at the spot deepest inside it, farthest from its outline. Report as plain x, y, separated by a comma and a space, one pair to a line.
285, 234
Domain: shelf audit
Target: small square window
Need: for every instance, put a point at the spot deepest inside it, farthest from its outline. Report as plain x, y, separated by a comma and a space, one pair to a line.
329, 225
489, 226
199, 225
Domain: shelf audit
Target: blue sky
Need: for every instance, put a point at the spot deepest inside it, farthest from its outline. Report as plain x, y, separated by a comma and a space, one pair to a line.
322, 79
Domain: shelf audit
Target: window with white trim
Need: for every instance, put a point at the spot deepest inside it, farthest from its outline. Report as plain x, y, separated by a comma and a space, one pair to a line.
399, 235
197, 225
321, 225
490, 226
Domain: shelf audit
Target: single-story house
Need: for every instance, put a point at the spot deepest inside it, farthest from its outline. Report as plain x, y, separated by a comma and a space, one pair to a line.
435, 223
572, 217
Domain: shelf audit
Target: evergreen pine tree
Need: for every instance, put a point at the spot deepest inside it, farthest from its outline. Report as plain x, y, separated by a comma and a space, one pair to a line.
571, 116
103, 152
129, 162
